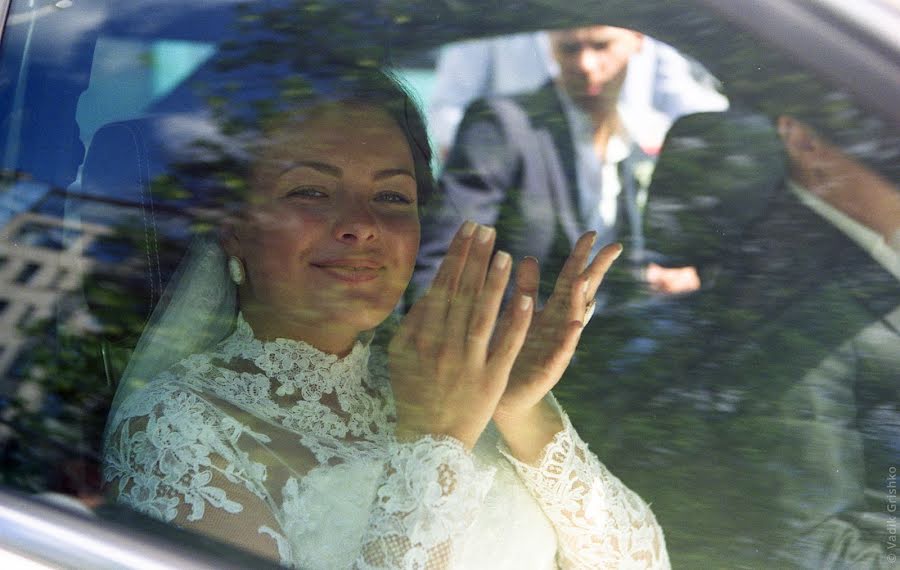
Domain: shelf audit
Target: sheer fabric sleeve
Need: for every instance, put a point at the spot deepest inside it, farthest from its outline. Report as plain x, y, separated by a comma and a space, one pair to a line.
429, 495
599, 522
179, 461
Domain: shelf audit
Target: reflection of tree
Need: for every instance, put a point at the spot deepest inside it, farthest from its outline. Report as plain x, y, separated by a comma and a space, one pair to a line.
69, 369
54, 442
75, 360
275, 55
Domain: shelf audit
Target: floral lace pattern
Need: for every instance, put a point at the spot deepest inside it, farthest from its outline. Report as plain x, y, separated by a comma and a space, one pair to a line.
167, 462
298, 445
582, 497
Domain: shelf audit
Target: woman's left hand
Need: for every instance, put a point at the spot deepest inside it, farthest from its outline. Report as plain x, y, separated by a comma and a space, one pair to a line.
556, 328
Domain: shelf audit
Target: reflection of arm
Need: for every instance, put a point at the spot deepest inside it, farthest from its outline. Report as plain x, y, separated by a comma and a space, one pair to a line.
481, 168
599, 522
430, 494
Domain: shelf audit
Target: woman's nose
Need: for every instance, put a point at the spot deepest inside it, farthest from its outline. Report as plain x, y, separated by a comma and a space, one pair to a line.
355, 223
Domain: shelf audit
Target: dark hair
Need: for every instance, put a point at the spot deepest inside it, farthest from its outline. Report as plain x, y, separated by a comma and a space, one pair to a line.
246, 105
387, 91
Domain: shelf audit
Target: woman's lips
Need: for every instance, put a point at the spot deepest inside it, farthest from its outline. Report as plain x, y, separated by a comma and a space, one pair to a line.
350, 271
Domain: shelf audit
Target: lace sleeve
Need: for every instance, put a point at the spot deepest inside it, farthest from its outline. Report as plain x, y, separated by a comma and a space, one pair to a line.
179, 462
429, 496
599, 522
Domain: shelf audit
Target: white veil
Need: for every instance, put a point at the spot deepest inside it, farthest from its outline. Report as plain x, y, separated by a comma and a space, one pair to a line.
197, 310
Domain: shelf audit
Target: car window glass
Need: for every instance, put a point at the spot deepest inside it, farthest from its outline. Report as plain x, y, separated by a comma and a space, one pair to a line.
739, 368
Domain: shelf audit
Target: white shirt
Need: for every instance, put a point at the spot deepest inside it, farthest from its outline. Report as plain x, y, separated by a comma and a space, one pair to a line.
598, 180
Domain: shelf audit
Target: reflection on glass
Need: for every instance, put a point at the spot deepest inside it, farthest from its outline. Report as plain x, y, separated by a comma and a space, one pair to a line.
251, 395
770, 391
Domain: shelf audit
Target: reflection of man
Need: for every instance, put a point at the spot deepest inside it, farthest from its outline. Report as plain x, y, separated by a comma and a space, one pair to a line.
661, 84
546, 166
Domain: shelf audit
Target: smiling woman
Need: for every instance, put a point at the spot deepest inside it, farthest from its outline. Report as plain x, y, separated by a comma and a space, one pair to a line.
332, 231
256, 409
128, 128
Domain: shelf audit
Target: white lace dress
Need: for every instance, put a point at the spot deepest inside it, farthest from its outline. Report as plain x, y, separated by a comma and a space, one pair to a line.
287, 451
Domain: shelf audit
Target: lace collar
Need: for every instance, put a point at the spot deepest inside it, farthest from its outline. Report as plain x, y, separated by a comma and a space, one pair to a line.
295, 365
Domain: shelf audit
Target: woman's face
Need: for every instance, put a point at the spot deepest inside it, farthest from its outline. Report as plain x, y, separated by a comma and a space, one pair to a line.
330, 235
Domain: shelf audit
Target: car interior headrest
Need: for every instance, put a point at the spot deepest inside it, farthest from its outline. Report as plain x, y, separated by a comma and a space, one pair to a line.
136, 165
126, 157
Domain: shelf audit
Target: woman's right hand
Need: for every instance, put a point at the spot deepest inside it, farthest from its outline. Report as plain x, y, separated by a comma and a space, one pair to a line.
447, 375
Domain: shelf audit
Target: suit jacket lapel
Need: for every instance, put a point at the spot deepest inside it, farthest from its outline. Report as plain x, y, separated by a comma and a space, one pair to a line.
555, 140
547, 114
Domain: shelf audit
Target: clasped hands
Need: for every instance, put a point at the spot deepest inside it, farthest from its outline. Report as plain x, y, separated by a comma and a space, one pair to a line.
457, 361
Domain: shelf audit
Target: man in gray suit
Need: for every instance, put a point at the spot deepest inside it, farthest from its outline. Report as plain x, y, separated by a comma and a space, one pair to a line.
547, 166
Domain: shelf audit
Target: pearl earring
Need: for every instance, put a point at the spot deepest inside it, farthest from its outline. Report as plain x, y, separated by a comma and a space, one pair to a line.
236, 270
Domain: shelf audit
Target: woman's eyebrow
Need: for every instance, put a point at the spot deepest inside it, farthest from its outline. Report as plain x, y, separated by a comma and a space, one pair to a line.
322, 167
336, 172
388, 173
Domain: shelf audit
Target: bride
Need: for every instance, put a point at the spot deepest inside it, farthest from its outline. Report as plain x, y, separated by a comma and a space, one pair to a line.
257, 409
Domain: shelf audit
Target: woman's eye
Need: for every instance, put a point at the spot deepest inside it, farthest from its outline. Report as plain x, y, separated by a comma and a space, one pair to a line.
305, 192
393, 198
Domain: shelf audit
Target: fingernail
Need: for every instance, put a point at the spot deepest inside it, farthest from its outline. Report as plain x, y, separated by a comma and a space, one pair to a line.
501, 260
593, 238
525, 302
584, 288
468, 228
484, 233
618, 253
